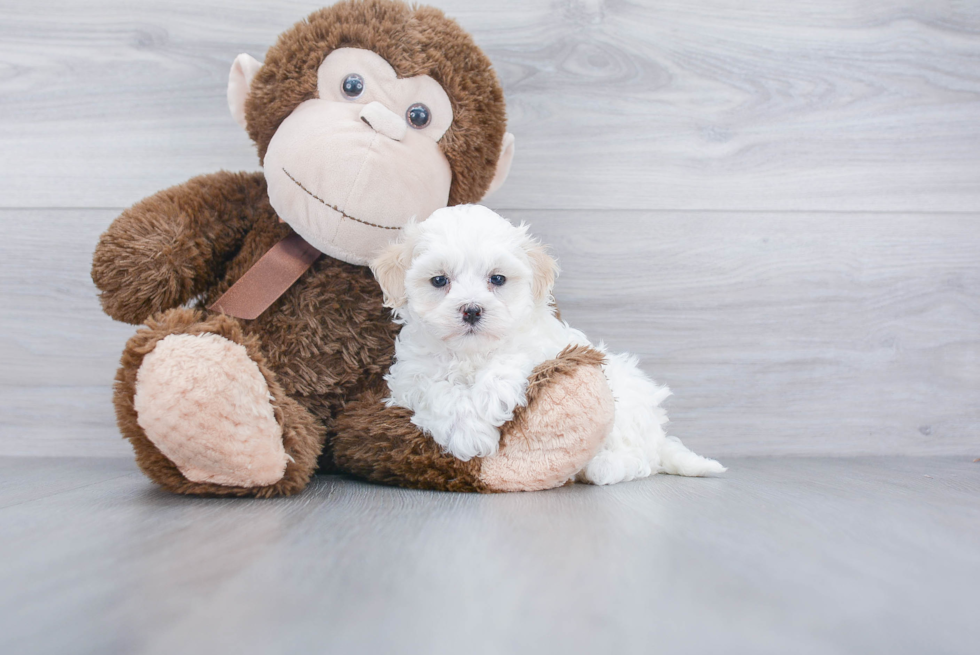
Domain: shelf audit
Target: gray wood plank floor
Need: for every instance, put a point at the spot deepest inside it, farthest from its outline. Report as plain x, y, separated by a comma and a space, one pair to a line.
780, 555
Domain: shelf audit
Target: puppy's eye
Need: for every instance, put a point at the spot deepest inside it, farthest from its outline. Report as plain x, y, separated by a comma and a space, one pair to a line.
439, 281
497, 280
353, 86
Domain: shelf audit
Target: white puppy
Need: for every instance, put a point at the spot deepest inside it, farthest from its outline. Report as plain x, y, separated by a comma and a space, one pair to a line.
473, 293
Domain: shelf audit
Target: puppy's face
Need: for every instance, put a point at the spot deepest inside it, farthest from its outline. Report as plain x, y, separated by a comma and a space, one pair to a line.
467, 275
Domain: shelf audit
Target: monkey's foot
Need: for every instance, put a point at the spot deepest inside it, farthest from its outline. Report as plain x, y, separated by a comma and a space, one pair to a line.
570, 411
204, 403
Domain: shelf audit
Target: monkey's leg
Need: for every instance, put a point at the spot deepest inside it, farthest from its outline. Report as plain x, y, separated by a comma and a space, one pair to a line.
206, 416
568, 414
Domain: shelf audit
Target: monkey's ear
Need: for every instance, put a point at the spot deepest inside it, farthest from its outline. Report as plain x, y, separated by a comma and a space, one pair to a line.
503, 164
389, 270
544, 269
239, 81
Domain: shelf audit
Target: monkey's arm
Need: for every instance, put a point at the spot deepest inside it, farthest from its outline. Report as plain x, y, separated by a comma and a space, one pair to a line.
171, 246
568, 414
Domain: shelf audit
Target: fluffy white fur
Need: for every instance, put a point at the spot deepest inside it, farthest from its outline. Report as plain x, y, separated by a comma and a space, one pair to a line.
464, 380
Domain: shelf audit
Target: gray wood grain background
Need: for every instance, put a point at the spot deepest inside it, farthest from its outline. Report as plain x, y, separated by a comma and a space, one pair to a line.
775, 204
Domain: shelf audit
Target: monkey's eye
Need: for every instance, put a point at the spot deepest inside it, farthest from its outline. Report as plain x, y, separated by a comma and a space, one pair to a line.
418, 115
353, 86
439, 281
497, 280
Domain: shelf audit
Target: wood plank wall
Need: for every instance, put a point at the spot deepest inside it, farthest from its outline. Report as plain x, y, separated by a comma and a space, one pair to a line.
775, 204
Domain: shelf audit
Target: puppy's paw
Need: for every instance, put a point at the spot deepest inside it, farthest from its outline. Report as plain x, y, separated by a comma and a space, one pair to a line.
467, 437
612, 466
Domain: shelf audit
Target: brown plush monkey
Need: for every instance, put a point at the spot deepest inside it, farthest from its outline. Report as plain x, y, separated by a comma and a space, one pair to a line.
365, 114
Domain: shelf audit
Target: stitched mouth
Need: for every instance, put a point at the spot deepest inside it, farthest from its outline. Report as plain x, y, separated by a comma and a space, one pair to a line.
335, 207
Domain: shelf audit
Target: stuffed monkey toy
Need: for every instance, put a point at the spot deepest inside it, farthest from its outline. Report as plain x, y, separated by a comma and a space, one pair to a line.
265, 343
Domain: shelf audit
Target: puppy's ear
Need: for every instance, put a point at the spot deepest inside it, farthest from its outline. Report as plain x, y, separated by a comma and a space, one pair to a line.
544, 268
389, 270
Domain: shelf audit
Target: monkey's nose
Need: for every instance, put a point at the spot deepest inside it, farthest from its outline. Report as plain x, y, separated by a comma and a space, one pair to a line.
472, 314
384, 121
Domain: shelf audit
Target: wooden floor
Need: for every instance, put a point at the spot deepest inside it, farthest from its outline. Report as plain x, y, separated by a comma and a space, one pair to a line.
780, 555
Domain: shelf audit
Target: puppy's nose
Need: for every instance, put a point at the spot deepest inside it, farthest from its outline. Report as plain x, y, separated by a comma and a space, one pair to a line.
472, 314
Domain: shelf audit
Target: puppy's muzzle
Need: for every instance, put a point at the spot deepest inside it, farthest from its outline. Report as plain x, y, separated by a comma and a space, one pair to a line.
472, 314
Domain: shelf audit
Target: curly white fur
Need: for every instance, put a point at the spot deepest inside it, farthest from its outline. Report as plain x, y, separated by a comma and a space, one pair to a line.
464, 379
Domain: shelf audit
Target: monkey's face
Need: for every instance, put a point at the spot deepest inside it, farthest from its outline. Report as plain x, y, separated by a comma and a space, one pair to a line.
355, 132
348, 169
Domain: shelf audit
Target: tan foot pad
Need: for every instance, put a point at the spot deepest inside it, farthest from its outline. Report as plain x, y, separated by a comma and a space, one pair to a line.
561, 432
204, 403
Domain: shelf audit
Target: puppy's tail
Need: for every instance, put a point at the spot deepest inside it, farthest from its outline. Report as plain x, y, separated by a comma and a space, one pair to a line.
676, 459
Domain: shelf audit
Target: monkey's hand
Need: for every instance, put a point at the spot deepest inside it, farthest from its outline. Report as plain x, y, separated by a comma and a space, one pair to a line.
171, 246
568, 415
569, 412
